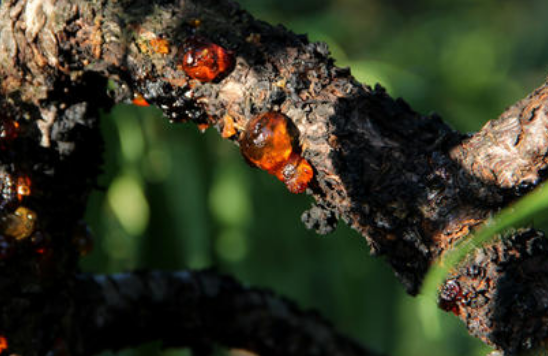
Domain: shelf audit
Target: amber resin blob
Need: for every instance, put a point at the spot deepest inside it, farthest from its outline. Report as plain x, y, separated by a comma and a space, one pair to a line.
205, 61
139, 100
270, 142
19, 225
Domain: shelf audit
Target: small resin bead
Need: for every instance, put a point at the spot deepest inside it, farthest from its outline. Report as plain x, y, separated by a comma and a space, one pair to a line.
23, 187
205, 61
268, 141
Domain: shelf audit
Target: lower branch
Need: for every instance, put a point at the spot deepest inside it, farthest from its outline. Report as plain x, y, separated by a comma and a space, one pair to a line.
195, 309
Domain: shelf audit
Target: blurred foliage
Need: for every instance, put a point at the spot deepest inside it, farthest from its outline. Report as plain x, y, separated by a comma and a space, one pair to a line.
174, 198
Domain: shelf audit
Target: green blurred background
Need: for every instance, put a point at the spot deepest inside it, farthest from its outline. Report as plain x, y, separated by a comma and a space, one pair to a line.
175, 198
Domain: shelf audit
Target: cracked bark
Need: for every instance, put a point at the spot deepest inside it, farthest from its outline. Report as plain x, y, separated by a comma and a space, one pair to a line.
408, 183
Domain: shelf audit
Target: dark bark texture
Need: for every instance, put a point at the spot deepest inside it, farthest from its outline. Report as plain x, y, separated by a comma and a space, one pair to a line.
196, 310
408, 183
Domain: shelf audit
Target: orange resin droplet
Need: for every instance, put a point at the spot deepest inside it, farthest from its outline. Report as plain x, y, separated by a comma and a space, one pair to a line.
229, 129
139, 100
23, 187
159, 45
206, 61
270, 143
296, 174
3, 344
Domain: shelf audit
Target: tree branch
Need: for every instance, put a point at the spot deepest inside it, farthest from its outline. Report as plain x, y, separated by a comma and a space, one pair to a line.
408, 183
196, 310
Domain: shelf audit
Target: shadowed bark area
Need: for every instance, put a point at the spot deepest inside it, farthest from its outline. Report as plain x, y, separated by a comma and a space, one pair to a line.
196, 310
408, 183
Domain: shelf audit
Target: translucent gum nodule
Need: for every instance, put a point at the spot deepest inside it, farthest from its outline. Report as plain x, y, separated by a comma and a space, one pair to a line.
205, 61
270, 142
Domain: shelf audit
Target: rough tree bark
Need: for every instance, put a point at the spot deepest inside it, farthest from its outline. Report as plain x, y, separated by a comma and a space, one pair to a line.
197, 310
408, 183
